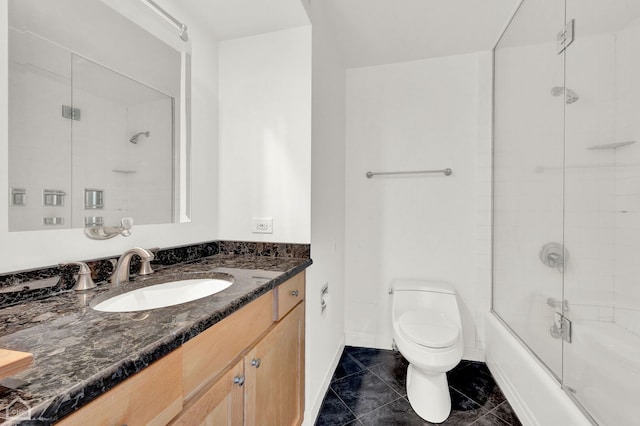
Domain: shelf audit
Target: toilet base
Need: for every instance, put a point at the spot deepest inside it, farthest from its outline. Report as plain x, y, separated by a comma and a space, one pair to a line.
428, 394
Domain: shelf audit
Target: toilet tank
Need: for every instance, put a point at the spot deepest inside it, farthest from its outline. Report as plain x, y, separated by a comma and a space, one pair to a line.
421, 294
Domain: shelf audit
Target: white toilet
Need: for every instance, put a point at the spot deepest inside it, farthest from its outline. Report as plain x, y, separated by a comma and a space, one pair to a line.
427, 331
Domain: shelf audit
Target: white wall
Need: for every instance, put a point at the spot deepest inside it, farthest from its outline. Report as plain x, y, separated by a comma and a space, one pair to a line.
589, 188
22, 250
39, 153
325, 329
627, 180
265, 135
414, 116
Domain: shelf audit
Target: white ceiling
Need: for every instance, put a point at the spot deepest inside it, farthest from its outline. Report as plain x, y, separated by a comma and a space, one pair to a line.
229, 19
374, 32
368, 32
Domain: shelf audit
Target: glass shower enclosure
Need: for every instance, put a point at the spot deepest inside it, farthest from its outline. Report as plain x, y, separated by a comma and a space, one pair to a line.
566, 190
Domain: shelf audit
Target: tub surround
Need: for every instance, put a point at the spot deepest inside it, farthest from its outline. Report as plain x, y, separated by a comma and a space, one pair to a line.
81, 353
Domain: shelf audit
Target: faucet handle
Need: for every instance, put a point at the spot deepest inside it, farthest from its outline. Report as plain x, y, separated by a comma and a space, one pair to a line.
146, 256
126, 223
84, 280
145, 267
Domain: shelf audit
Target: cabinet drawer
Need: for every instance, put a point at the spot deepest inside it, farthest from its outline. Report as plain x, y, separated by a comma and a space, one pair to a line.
207, 355
151, 397
288, 295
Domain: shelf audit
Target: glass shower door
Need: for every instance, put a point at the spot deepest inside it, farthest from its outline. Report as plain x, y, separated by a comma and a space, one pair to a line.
602, 210
528, 178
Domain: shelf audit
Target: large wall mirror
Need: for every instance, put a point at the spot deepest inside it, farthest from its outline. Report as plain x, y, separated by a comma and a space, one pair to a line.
98, 115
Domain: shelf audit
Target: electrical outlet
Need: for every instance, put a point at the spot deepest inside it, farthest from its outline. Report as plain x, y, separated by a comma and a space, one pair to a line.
262, 225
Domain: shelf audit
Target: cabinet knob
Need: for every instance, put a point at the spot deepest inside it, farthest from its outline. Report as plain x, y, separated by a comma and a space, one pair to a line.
294, 293
255, 362
238, 380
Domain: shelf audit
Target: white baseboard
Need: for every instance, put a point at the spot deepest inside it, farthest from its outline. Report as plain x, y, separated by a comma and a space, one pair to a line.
473, 354
311, 413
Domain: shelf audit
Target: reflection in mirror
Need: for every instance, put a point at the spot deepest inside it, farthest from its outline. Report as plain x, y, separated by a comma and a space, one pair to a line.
98, 114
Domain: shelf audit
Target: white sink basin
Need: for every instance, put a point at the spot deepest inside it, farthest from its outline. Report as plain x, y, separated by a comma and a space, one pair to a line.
163, 295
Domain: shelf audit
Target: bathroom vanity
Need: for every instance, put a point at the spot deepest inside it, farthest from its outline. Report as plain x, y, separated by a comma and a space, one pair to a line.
236, 357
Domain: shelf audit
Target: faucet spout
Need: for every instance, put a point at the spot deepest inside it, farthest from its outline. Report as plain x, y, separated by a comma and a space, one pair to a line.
121, 272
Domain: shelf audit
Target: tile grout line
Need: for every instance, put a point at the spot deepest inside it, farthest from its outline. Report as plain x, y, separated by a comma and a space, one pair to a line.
344, 377
480, 407
344, 403
468, 397
358, 363
377, 408
383, 381
366, 369
497, 415
488, 414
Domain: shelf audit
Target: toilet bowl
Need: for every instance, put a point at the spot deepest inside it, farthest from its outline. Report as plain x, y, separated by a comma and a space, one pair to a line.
427, 331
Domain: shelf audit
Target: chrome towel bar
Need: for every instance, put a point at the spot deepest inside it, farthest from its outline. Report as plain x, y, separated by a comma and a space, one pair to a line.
446, 172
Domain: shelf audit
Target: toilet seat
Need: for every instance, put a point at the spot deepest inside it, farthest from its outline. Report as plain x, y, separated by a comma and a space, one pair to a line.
429, 328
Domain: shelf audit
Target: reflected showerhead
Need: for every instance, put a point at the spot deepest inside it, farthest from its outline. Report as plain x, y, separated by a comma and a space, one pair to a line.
557, 91
570, 95
134, 138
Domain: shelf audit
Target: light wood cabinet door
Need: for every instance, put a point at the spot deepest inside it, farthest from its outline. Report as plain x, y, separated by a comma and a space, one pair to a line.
150, 397
221, 404
209, 353
274, 371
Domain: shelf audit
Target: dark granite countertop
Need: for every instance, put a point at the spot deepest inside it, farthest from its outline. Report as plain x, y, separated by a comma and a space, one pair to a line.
80, 353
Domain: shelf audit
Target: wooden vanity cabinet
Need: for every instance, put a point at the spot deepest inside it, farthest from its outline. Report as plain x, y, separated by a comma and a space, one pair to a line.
247, 369
263, 387
150, 397
210, 352
222, 403
267, 377
274, 374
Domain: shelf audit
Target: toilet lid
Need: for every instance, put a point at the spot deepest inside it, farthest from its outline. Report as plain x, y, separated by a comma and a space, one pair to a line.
428, 328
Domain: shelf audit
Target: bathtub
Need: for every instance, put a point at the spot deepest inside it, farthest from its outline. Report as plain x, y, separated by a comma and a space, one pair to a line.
602, 364
534, 394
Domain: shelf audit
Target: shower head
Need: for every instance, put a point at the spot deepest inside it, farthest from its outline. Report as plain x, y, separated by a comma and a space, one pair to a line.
134, 138
570, 95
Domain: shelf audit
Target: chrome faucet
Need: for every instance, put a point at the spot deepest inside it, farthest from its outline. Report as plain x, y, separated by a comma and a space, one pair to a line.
121, 272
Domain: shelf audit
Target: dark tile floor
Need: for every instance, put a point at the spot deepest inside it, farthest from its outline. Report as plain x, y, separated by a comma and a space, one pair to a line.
368, 388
